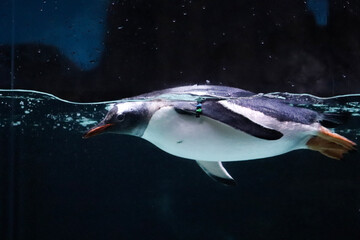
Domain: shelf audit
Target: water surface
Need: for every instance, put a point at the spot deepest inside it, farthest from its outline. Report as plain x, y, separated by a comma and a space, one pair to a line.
38, 110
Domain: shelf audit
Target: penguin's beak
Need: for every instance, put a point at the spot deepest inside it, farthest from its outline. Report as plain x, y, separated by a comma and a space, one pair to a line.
97, 130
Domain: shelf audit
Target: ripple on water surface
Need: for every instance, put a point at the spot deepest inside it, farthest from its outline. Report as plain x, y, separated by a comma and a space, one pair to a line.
33, 110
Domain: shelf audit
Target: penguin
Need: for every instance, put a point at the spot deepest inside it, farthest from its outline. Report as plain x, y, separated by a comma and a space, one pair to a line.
215, 124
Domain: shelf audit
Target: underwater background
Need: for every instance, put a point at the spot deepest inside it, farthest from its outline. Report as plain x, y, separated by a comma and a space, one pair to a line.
56, 185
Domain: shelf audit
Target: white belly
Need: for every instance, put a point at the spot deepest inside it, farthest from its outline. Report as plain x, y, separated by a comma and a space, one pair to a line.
208, 140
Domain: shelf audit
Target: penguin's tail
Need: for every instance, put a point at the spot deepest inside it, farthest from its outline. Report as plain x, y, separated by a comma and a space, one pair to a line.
331, 144
331, 120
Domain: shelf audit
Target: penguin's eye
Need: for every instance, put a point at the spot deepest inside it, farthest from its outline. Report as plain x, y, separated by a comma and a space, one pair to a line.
120, 117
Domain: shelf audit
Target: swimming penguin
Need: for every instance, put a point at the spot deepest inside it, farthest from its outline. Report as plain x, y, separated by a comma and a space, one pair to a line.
213, 124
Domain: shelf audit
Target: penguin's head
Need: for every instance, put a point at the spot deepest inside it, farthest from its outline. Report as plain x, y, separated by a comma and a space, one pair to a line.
129, 118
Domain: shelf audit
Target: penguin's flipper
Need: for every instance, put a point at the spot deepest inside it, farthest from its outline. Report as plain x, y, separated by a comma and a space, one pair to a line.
216, 111
216, 171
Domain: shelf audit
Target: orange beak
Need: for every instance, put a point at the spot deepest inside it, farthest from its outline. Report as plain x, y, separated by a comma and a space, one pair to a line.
97, 130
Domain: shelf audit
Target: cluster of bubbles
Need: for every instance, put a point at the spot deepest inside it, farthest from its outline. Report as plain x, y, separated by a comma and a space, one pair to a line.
41, 112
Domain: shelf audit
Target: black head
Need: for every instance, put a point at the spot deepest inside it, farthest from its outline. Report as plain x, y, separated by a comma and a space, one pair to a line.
124, 118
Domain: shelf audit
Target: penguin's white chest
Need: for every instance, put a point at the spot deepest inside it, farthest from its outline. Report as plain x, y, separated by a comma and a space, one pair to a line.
209, 140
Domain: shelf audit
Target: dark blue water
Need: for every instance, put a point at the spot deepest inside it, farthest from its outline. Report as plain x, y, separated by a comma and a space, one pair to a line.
121, 187
56, 185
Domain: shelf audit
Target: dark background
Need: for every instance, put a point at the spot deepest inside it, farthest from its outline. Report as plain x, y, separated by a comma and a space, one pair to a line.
57, 186
123, 48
